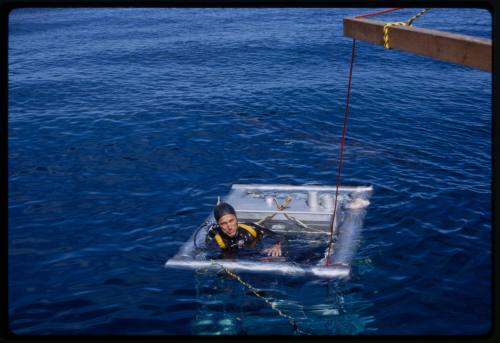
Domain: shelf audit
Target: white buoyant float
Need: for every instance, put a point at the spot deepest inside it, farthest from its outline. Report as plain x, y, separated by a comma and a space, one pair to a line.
310, 207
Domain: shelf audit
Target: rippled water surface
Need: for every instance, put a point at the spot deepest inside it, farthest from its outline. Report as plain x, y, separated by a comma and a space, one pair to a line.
126, 124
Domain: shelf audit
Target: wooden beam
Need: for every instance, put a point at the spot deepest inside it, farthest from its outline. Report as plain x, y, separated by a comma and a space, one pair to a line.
450, 47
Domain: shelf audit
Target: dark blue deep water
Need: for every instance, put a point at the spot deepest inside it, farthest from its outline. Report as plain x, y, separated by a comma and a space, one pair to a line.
126, 124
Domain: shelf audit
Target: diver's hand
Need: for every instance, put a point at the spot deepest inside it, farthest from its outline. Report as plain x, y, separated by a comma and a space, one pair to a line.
275, 250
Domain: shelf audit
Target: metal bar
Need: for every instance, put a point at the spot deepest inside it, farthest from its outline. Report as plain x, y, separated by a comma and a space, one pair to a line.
258, 211
470, 51
334, 271
302, 188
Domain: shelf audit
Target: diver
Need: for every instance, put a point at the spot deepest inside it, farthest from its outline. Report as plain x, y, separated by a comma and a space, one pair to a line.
230, 235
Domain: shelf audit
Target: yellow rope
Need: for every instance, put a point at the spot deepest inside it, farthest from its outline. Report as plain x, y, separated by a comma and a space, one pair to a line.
400, 23
386, 32
256, 291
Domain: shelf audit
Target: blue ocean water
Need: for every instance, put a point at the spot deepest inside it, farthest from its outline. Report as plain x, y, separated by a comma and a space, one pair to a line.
126, 124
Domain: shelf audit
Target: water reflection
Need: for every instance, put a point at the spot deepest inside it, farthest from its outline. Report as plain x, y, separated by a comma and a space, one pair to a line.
226, 306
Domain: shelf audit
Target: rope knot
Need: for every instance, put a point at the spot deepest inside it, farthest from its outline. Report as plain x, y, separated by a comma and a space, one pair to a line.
400, 23
386, 31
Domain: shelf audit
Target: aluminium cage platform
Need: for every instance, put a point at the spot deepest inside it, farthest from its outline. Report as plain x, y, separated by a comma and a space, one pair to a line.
309, 205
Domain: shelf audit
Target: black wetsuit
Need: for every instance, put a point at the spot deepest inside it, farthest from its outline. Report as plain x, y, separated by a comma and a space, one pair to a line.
244, 237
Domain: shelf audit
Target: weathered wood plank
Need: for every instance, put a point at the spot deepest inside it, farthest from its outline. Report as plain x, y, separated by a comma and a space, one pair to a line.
450, 47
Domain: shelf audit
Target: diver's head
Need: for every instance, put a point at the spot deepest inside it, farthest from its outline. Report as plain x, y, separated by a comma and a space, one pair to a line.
225, 215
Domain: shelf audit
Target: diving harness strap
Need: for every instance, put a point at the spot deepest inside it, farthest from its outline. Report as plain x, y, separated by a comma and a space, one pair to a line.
246, 227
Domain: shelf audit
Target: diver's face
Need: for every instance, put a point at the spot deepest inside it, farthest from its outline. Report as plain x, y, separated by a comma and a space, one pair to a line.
229, 224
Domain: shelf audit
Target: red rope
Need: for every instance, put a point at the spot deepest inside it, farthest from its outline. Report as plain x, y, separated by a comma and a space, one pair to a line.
377, 13
341, 153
